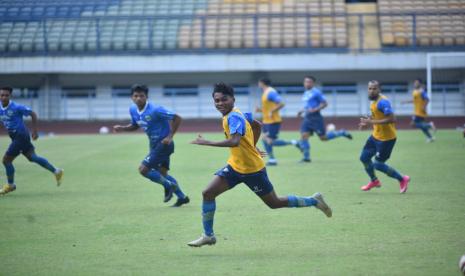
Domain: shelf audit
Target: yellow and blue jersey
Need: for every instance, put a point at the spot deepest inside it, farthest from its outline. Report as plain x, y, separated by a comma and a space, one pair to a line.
380, 109
270, 99
154, 120
312, 99
420, 97
244, 158
12, 117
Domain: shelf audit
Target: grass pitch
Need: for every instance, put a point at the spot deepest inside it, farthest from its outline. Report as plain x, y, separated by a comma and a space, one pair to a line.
108, 220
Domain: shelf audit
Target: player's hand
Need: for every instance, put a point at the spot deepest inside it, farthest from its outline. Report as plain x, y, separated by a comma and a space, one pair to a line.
200, 140
167, 140
34, 135
262, 153
258, 109
118, 128
299, 114
364, 122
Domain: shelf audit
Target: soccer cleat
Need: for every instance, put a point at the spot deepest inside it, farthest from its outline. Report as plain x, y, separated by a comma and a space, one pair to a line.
59, 176
169, 192
181, 201
322, 206
430, 140
7, 188
304, 160
297, 145
349, 136
404, 184
433, 126
203, 240
272, 162
373, 184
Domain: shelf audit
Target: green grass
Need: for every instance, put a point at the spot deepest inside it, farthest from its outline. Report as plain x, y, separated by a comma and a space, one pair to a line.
107, 220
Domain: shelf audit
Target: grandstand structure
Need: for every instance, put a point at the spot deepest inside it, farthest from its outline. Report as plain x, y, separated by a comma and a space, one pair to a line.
77, 59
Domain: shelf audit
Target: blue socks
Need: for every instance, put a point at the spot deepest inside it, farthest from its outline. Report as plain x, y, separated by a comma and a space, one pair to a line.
336, 133
387, 170
425, 128
156, 177
178, 191
370, 169
43, 162
280, 143
268, 149
10, 173
298, 201
305, 146
208, 212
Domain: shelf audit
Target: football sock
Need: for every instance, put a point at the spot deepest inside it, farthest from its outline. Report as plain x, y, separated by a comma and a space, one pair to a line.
156, 177
10, 172
43, 162
305, 145
280, 143
369, 168
298, 201
208, 212
336, 133
268, 149
388, 170
178, 191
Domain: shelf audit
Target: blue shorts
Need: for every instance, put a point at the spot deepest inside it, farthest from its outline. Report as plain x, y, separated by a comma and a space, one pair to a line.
313, 123
271, 130
20, 143
418, 119
258, 182
159, 156
380, 149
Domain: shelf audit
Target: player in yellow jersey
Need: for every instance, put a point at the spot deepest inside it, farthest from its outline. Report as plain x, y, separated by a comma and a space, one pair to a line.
382, 140
420, 101
245, 165
271, 105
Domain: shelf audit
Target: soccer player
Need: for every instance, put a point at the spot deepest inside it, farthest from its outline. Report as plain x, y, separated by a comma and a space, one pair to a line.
244, 165
382, 140
160, 125
313, 121
271, 104
11, 115
420, 102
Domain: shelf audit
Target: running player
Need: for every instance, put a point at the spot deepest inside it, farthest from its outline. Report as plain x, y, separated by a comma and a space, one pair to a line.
382, 140
155, 121
271, 105
11, 115
244, 165
313, 121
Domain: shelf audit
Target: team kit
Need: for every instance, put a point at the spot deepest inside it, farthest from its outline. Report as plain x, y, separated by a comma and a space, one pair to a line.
242, 134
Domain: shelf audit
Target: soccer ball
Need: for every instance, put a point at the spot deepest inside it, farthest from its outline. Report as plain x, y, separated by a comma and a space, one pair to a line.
462, 264
330, 127
104, 130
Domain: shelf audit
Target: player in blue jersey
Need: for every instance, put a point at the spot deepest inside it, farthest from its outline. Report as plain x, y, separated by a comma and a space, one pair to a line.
314, 101
11, 115
160, 125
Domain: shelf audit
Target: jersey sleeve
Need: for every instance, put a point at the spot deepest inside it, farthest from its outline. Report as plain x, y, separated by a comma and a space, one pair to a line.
133, 117
163, 113
321, 97
273, 96
24, 110
249, 117
385, 107
424, 95
236, 124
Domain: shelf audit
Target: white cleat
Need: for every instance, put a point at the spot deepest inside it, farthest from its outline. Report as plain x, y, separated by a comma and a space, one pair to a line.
322, 206
430, 140
203, 240
433, 127
59, 176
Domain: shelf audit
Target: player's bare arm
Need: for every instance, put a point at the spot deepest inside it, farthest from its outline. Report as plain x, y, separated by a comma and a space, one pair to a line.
228, 143
34, 133
175, 123
129, 127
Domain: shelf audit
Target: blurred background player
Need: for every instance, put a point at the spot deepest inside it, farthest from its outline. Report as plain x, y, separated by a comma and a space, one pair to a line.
244, 165
313, 121
420, 102
271, 104
382, 140
155, 121
11, 115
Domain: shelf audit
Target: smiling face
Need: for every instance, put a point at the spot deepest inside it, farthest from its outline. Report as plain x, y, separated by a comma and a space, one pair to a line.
224, 103
373, 90
139, 98
5, 96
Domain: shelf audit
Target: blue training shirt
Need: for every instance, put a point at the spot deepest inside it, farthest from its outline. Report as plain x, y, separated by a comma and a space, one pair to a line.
424, 95
273, 96
12, 117
236, 122
385, 106
313, 98
154, 120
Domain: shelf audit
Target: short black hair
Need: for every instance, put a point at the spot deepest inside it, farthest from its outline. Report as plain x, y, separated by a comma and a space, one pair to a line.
7, 88
139, 88
419, 80
265, 81
223, 88
310, 77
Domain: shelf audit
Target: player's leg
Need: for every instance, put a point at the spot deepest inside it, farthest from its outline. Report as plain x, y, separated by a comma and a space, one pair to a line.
304, 144
220, 183
369, 150
267, 142
10, 174
274, 135
182, 198
384, 149
423, 126
31, 155
320, 129
146, 170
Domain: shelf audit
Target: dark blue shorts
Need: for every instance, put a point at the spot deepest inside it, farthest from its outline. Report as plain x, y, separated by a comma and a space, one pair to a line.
418, 119
313, 123
20, 143
380, 149
159, 156
272, 130
258, 182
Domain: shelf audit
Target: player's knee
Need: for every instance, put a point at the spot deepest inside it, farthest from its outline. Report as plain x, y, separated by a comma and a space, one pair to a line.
143, 170
209, 195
